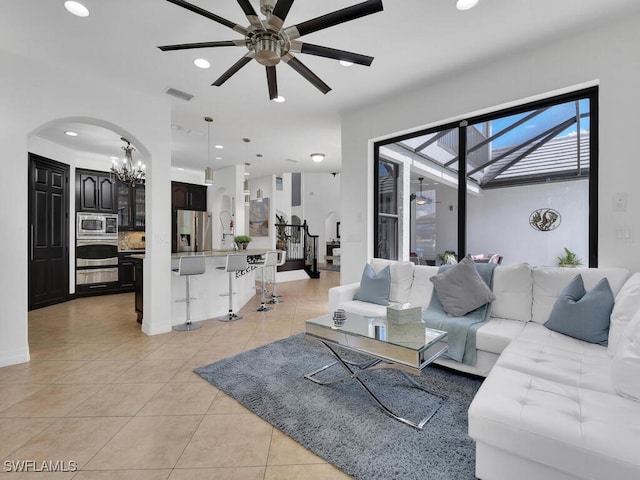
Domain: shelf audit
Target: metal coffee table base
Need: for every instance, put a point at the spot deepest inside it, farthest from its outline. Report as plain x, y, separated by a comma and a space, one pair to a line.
376, 364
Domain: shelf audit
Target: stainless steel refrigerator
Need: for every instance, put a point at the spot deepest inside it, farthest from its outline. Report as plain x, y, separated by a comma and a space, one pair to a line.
193, 231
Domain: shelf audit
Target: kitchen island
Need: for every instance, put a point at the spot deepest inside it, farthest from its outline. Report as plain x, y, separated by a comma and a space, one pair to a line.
209, 291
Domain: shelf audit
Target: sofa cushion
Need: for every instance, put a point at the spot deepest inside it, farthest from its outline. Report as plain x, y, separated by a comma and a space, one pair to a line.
581, 314
461, 289
585, 433
374, 286
561, 361
422, 288
494, 335
625, 370
513, 287
548, 282
365, 309
626, 305
401, 278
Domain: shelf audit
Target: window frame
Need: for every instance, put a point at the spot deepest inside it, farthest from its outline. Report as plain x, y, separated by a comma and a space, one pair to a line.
591, 93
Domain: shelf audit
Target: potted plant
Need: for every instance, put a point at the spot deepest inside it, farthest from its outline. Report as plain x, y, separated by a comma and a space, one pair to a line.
242, 241
569, 259
281, 232
447, 258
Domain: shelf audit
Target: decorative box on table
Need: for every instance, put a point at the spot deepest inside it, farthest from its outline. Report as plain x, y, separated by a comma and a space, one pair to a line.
404, 313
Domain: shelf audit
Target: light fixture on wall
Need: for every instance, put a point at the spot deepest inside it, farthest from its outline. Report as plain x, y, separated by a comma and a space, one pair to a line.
466, 4
126, 172
208, 171
317, 157
246, 187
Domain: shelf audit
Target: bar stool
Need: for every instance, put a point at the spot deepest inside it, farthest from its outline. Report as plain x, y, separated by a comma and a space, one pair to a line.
270, 259
282, 257
234, 263
187, 267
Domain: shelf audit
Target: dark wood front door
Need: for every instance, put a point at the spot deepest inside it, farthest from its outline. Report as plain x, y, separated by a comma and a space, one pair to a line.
48, 232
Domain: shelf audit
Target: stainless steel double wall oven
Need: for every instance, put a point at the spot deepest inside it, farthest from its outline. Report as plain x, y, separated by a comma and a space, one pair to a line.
96, 250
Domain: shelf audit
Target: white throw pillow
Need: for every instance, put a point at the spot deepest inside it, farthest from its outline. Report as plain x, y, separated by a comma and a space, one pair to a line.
401, 278
626, 306
625, 368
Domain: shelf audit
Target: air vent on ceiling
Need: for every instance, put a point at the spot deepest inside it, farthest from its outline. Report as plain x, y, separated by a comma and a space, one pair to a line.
179, 94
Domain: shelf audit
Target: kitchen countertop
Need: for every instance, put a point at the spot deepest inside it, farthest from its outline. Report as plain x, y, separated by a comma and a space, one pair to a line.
211, 253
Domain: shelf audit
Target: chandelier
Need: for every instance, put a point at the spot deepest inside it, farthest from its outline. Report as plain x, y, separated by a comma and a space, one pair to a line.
126, 172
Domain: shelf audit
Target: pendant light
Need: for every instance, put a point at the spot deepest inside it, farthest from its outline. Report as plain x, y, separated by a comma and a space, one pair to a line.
421, 199
259, 193
208, 171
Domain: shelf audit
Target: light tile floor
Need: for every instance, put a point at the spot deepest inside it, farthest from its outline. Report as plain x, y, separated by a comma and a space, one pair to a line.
123, 405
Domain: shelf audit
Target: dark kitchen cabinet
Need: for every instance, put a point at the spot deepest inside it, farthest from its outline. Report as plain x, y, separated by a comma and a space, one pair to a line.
95, 192
131, 206
126, 273
188, 196
137, 277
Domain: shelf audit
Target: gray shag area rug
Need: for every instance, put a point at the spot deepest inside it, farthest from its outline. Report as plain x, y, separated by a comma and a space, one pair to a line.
342, 424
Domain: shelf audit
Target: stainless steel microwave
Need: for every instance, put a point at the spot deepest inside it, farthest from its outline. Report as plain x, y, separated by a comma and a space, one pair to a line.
97, 225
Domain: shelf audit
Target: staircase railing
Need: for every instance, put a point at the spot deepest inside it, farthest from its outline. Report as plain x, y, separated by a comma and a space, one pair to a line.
299, 245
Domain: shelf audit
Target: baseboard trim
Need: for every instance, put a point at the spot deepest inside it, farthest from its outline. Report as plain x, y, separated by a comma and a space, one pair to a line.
14, 357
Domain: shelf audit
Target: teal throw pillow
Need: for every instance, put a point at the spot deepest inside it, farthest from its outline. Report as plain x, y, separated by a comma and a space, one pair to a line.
374, 287
581, 314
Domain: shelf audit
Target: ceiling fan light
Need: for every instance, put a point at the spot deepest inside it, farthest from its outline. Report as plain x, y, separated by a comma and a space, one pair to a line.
421, 200
466, 4
346, 63
76, 8
317, 157
279, 99
208, 176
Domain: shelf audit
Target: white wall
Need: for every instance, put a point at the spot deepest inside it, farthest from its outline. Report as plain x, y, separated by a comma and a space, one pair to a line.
321, 199
31, 100
606, 56
498, 222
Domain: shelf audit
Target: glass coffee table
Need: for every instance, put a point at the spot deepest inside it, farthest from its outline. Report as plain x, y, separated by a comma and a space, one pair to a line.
407, 347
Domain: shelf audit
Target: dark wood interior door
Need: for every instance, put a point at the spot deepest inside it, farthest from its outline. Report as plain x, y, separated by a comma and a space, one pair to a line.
48, 232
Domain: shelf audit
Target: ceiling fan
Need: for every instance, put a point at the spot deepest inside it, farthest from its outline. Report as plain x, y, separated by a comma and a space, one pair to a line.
268, 41
420, 198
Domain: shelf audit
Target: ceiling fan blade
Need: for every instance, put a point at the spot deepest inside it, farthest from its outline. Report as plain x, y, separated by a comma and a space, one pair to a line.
250, 12
302, 69
279, 14
333, 53
209, 15
335, 18
272, 82
187, 46
233, 70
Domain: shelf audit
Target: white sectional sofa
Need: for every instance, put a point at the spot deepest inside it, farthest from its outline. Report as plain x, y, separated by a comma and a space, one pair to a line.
549, 408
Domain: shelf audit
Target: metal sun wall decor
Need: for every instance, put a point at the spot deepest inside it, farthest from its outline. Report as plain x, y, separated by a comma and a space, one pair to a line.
545, 219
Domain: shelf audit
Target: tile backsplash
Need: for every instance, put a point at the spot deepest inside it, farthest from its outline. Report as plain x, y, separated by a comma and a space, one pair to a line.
131, 240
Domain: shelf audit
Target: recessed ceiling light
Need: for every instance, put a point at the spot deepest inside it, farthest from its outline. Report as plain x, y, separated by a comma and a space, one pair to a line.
70, 133
345, 63
76, 8
201, 63
180, 168
279, 99
218, 158
466, 4
219, 146
176, 127
247, 173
